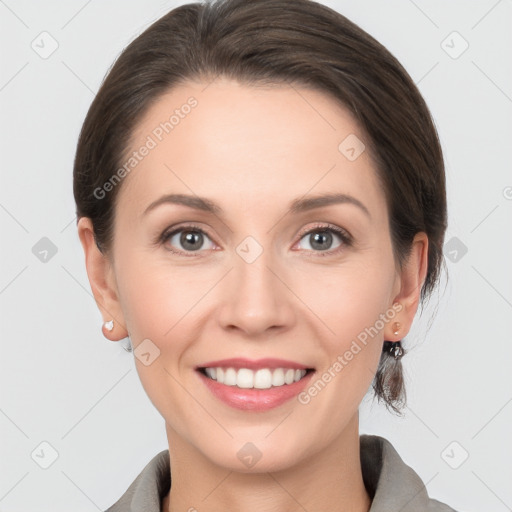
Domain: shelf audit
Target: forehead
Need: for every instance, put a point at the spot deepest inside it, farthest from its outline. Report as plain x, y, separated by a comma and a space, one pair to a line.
255, 143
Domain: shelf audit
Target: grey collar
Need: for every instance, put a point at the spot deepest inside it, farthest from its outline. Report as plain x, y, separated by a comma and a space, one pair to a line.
391, 484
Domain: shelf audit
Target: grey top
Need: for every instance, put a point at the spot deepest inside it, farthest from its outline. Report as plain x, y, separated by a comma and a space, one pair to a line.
391, 484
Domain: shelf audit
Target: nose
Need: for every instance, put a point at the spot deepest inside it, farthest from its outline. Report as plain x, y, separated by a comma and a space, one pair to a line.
256, 300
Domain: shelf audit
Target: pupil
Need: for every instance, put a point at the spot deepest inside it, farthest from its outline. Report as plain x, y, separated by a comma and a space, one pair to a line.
189, 240
321, 240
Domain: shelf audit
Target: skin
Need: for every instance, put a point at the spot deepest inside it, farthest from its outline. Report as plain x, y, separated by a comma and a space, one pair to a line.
253, 150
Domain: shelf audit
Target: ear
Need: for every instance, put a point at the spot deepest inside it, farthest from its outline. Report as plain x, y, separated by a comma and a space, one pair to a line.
411, 279
102, 280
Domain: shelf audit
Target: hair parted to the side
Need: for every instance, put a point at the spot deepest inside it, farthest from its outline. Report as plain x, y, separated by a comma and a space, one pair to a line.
297, 42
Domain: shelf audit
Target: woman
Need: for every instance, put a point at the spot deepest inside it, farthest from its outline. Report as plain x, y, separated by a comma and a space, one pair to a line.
261, 200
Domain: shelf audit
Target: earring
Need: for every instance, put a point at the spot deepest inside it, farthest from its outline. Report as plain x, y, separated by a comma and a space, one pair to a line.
109, 326
394, 348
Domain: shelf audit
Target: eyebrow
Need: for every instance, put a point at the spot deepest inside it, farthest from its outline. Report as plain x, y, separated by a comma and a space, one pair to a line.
301, 205
199, 203
296, 206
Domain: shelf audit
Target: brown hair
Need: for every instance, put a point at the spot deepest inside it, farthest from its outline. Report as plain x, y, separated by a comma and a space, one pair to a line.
274, 42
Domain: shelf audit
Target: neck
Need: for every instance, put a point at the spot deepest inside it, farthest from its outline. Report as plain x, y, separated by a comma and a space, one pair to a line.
328, 480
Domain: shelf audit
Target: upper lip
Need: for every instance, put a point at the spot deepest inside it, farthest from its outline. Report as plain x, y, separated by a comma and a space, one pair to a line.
253, 364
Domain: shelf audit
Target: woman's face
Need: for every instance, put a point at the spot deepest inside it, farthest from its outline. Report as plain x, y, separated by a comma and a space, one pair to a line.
246, 237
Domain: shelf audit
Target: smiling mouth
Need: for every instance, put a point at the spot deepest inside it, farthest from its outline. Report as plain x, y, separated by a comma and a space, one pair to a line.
263, 378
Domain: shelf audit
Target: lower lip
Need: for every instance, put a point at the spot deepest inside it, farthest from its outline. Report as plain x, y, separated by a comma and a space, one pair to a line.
255, 399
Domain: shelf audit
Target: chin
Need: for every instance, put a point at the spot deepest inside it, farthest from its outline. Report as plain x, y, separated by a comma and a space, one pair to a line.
261, 455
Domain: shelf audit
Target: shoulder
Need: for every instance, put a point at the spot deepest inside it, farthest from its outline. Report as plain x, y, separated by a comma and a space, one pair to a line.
146, 492
391, 483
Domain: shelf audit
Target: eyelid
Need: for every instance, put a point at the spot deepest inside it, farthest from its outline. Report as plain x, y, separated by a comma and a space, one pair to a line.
187, 226
342, 233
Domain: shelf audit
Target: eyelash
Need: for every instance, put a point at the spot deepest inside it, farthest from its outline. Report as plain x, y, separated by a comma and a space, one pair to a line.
344, 236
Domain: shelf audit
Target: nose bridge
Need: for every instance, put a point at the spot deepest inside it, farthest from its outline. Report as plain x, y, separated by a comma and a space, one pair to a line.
256, 300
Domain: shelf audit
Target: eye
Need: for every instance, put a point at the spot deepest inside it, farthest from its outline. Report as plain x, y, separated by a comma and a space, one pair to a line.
187, 239
324, 239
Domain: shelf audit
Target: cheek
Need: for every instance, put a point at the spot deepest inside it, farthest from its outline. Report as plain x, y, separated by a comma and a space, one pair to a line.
157, 298
349, 299
161, 303
353, 306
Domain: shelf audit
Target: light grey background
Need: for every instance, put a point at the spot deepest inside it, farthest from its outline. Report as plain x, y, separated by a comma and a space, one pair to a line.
62, 383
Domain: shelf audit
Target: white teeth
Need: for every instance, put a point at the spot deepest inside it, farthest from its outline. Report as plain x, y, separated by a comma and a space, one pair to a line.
264, 378
230, 377
245, 378
278, 377
289, 376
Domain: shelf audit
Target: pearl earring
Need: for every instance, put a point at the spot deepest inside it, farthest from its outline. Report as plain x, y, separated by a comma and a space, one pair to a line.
109, 326
396, 328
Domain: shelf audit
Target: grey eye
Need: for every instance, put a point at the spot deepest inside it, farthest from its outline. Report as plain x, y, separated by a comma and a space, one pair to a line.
190, 240
320, 240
